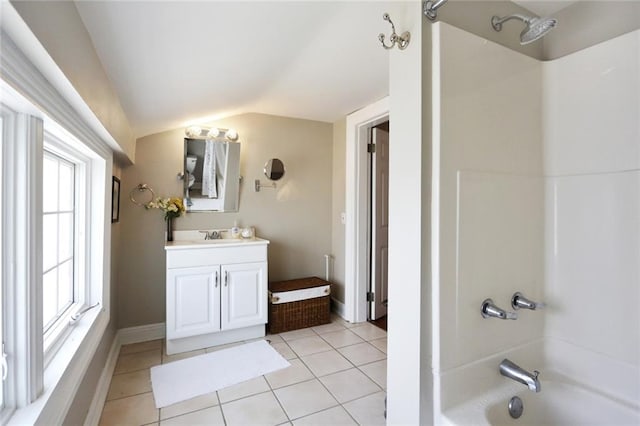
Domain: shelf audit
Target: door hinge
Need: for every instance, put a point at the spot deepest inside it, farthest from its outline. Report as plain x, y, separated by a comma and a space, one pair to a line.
4, 367
370, 296
371, 147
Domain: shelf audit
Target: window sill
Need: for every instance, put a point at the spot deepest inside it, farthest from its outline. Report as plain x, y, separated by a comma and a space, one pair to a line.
65, 372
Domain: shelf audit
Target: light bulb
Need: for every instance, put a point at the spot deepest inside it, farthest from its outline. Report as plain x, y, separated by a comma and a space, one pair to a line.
213, 133
193, 131
232, 135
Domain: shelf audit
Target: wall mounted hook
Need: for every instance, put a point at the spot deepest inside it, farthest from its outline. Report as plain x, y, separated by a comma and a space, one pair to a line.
402, 40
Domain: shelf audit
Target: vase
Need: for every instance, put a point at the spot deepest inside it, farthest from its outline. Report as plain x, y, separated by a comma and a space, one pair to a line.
169, 229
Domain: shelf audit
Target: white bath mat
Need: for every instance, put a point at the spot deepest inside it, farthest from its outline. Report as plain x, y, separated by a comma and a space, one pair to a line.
198, 375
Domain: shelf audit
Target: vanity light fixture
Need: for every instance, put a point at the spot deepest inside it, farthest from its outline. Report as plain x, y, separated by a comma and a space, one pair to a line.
197, 132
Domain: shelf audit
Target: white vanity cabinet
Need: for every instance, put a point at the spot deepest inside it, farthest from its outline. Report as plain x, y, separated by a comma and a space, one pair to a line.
216, 293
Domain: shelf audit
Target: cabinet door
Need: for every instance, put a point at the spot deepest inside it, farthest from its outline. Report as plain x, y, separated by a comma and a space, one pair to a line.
244, 295
193, 301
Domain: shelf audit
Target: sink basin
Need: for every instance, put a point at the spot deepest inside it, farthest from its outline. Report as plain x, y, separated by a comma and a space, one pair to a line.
216, 241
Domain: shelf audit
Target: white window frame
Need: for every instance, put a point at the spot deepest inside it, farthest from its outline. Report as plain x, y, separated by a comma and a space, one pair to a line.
35, 393
55, 336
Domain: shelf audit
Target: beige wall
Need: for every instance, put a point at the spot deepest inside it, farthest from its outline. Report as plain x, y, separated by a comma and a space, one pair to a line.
295, 217
338, 207
59, 28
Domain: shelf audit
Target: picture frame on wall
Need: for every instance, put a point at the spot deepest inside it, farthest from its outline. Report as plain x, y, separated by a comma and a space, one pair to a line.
115, 200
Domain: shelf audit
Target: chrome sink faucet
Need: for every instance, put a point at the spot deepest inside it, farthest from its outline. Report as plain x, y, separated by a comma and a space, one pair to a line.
513, 371
213, 235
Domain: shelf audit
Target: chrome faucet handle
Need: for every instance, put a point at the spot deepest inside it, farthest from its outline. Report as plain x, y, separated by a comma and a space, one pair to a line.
206, 234
489, 310
519, 301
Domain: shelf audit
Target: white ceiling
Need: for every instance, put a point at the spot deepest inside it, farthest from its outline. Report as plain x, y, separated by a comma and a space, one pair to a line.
544, 7
174, 63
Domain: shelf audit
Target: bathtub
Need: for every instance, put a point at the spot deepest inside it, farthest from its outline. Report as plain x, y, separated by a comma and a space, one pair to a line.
558, 403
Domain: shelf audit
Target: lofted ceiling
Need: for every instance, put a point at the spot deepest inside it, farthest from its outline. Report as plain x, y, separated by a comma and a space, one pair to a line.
544, 7
180, 62
174, 63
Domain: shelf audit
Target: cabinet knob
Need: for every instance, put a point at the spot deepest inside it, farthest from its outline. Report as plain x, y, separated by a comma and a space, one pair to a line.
226, 278
216, 280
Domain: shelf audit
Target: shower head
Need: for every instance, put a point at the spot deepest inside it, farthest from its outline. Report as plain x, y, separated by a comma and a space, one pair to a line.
535, 27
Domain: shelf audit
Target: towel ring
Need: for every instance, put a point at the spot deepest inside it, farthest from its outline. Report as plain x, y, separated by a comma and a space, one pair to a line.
142, 187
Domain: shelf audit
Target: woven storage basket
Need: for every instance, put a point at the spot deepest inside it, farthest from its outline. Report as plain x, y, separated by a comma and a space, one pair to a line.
298, 314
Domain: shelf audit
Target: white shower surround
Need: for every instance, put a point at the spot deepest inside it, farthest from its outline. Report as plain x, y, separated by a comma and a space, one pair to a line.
539, 193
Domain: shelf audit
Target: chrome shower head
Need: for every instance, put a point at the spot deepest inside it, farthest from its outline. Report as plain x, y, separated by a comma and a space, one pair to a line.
535, 27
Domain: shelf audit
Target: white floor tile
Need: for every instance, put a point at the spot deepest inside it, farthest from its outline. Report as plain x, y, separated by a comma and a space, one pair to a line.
137, 361
369, 331
339, 339
362, 353
309, 345
381, 344
182, 355
141, 347
261, 409
297, 334
305, 398
349, 385
128, 384
324, 363
336, 416
284, 350
190, 405
208, 416
138, 410
296, 373
328, 328
243, 389
368, 410
376, 371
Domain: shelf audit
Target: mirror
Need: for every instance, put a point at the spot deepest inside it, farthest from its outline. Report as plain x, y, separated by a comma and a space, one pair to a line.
211, 175
274, 169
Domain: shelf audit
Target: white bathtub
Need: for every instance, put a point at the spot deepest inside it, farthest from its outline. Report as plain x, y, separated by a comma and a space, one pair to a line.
558, 403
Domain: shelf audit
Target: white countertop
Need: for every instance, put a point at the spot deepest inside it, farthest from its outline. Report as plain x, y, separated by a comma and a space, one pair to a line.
218, 243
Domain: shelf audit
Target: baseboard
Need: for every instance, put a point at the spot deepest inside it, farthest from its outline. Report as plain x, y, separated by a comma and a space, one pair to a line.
142, 333
124, 336
338, 307
102, 388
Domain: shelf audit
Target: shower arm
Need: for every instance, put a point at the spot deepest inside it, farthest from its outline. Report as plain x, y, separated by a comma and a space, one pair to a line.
430, 8
496, 21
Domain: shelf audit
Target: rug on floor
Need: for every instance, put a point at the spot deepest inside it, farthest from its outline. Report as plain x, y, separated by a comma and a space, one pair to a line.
187, 378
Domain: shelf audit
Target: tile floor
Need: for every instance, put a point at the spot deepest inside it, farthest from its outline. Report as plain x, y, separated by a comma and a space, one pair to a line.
337, 377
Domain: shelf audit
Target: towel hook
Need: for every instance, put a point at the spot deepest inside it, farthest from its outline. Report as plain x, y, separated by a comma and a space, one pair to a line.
402, 40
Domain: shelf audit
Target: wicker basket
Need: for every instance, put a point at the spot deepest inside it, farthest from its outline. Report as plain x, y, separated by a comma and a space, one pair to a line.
293, 315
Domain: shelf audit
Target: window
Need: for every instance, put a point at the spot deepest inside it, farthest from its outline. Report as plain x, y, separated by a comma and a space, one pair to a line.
54, 233
58, 218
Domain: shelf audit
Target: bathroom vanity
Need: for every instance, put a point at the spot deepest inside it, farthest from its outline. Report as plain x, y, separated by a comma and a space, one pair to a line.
216, 291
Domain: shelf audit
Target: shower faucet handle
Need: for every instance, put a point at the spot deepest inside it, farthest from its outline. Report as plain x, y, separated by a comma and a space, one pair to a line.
519, 301
489, 310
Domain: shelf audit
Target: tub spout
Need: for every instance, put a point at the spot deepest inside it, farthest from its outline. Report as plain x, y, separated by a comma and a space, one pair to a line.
513, 371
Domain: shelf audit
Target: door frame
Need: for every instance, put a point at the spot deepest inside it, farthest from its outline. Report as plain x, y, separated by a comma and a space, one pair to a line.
358, 126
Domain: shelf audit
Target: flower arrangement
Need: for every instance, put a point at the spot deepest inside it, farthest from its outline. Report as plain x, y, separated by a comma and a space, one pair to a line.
172, 207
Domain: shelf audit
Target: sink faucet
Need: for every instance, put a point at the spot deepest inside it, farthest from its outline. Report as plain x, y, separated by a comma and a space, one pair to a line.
513, 371
213, 235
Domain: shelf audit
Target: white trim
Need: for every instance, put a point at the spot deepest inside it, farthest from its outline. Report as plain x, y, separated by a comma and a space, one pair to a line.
356, 271
141, 333
124, 336
102, 388
43, 77
338, 307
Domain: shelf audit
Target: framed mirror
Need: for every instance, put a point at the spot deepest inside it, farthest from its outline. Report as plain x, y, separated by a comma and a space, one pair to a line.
211, 175
274, 169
